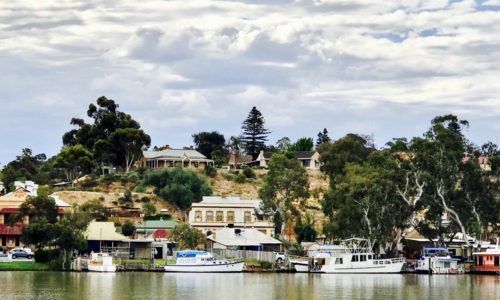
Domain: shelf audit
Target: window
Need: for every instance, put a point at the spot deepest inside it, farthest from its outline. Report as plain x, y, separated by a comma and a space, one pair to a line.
369, 257
362, 258
219, 216
355, 258
196, 164
248, 217
446, 264
209, 217
197, 216
230, 216
339, 261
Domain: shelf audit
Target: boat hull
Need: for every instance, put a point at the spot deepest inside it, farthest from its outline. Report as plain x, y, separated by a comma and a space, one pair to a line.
301, 267
108, 269
236, 267
380, 269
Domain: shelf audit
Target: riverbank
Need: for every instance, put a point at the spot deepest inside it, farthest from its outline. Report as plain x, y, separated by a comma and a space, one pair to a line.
24, 266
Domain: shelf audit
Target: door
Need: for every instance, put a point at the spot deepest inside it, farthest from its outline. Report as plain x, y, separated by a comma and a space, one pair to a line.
497, 261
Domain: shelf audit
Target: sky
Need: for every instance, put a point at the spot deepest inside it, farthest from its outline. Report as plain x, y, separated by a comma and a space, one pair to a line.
381, 68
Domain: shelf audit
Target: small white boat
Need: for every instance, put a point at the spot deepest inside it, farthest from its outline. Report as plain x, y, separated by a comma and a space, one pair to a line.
300, 266
437, 261
355, 256
194, 261
101, 262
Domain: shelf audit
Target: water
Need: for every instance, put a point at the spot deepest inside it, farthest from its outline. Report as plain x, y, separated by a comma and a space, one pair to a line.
96, 286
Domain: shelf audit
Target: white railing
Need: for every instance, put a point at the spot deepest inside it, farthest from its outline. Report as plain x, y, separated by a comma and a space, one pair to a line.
245, 254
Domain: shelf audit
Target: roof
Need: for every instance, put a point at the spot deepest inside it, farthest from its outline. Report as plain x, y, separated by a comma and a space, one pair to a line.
19, 194
268, 155
6, 229
157, 224
59, 202
174, 153
227, 201
246, 237
104, 231
304, 154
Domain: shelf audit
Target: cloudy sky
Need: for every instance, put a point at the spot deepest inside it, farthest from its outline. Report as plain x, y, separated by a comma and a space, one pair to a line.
365, 66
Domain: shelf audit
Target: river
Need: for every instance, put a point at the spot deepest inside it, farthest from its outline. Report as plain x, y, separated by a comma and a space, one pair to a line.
96, 286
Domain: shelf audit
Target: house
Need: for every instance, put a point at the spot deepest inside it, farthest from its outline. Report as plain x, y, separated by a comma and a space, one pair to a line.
242, 239
11, 230
484, 162
239, 160
155, 229
214, 213
171, 158
308, 159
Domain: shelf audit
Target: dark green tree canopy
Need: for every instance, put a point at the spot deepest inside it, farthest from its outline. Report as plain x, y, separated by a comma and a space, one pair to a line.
254, 133
210, 144
302, 144
323, 137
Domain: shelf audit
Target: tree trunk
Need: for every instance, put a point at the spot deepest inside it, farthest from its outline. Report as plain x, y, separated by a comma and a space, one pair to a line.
453, 214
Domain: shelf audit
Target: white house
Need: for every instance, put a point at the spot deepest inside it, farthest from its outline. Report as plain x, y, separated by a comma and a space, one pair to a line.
170, 158
308, 159
214, 213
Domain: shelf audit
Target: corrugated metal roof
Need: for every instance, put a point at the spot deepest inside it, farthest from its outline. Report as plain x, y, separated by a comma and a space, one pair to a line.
227, 200
246, 237
103, 231
174, 153
158, 224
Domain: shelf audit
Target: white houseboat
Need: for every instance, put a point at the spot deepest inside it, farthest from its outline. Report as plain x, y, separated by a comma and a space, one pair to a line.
202, 262
354, 256
101, 262
437, 261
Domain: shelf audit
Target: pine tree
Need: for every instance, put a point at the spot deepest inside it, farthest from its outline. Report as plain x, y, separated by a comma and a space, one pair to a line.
254, 133
323, 137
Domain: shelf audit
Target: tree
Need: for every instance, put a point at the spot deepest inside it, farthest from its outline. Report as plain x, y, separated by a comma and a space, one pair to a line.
74, 160
95, 210
323, 137
302, 144
254, 133
106, 120
188, 237
128, 228
26, 166
210, 144
283, 144
129, 142
283, 186
178, 187
234, 145
149, 209
126, 200
305, 231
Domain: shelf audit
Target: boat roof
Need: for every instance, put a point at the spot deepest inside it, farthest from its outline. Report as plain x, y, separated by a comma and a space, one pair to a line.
435, 249
190, 253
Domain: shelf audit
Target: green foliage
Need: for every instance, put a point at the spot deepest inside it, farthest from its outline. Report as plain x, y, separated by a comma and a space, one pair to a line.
210, 144
187, 237
107, 120
305, 231
128, 142
249, 173
323, 137
42, 255
24, 266
95, 210
128, 228
240, 178
284, 185
140, 188
178, 187
126, 200
210, 171
254, 133
302, 144
75, 160
149, 209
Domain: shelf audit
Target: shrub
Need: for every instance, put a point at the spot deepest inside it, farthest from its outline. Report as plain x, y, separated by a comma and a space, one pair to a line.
128, 228
210, 171
249, 173
140, 189
42, 255
241, 178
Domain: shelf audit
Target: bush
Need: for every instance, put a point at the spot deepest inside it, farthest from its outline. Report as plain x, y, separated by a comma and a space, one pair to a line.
249, 173
229, 176
128, 228
210, 171
42, 256
241, 178
140, 189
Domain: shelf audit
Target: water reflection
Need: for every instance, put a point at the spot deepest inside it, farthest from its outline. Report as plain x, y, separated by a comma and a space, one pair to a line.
58, 285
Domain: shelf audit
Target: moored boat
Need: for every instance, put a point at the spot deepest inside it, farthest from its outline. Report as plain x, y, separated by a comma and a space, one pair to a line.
355, 256
194, 261
487, 261
101, 262
300, 266
437, 261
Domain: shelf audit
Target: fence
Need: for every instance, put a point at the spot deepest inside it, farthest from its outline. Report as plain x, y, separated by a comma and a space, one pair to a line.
246, 254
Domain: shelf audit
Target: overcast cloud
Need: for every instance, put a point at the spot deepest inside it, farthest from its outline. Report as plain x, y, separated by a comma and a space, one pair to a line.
364, 66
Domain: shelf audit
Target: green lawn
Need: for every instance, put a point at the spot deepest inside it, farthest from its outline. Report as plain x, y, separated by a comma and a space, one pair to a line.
23, 266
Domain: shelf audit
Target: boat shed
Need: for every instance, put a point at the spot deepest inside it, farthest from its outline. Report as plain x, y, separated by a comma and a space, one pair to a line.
243, 239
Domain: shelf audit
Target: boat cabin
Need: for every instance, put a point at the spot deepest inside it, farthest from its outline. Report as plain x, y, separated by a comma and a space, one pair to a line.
193, 257
488, 261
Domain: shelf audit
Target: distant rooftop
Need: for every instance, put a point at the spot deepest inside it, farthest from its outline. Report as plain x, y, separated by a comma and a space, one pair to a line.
174, 153
227, 201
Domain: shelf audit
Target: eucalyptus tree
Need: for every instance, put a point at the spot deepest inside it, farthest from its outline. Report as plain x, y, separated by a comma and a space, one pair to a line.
283, 187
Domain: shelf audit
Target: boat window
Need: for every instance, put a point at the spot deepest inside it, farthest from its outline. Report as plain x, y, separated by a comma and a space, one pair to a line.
339, 261
387, 262
375, 262
355, 258
370, 257
362, 257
